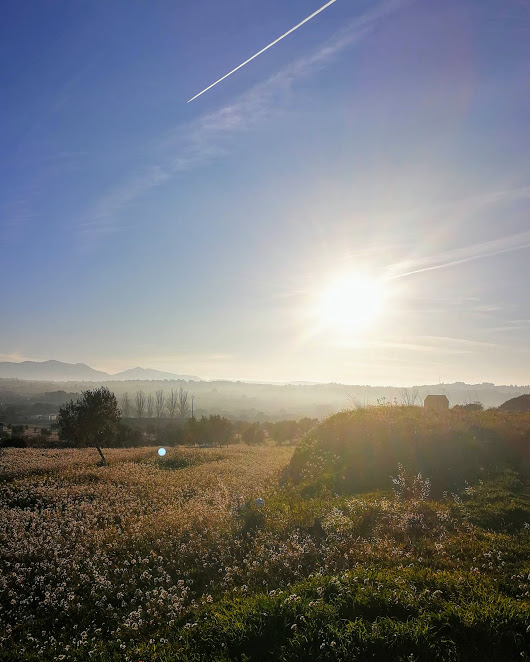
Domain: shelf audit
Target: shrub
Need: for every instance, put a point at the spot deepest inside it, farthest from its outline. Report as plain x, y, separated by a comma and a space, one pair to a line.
14, 442
356, 451
410, 488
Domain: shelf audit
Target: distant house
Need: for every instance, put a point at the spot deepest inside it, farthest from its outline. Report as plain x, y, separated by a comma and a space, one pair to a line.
439, 402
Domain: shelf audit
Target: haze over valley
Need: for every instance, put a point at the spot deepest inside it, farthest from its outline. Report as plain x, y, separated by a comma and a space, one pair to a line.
233, 399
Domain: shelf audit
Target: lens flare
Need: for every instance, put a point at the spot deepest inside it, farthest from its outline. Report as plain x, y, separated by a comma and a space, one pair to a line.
162, 452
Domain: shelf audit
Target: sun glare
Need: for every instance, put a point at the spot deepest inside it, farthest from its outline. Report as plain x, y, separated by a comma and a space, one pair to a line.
350, 303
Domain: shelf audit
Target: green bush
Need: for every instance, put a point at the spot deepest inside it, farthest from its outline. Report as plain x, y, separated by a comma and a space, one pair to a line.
403, 615
14, 442
356, 451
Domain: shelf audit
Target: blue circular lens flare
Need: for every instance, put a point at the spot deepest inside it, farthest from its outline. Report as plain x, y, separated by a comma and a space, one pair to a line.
162, 452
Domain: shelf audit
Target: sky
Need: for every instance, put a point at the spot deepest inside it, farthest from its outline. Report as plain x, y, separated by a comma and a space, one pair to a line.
351, 206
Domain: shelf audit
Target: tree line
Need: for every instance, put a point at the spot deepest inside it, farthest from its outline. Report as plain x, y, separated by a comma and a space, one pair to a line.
175, 404
95, 419
218, 430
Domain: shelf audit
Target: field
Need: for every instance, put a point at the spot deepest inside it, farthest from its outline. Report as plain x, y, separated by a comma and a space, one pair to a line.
173, 559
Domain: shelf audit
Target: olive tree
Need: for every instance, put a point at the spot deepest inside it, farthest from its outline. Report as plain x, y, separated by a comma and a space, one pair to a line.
92, 420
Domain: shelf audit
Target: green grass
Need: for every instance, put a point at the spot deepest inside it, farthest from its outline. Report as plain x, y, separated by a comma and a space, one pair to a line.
364, 614
314, 574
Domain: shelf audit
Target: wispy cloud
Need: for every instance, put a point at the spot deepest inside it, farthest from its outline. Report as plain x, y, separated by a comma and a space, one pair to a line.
421, 344
18, 213
462, 255
103, 217
207, 138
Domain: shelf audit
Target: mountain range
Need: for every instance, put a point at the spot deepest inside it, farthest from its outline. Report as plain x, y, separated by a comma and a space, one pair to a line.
57, 371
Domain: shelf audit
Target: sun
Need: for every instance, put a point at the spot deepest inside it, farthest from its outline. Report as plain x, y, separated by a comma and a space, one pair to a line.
349, 303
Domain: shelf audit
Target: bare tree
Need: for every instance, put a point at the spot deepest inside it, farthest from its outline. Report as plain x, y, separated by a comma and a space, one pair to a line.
125, 405
140, 403
355, 402
409, 397
160, 403
171, 403
150, 405
183, 405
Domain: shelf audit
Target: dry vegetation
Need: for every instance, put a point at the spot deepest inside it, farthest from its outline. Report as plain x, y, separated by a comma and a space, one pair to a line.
114, 550
173, 559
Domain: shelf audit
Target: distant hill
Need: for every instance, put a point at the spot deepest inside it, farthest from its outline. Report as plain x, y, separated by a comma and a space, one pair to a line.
522, 403
57, 371
51, 371
148, 373
262, 402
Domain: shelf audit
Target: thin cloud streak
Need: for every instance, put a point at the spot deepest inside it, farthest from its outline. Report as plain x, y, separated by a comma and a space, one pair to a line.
203, 141
469, 253
273, 43
431, 344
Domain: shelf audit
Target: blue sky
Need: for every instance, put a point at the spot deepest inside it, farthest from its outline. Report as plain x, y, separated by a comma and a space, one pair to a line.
380, 139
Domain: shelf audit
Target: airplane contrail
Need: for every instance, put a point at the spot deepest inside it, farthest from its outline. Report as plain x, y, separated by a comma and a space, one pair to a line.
264, 49
470, 253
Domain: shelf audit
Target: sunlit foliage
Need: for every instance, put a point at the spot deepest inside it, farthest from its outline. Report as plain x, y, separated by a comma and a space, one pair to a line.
358, 450
200, 555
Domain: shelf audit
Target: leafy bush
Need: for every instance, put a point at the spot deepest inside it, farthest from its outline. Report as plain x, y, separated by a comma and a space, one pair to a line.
358, 450
172, 463
14, 442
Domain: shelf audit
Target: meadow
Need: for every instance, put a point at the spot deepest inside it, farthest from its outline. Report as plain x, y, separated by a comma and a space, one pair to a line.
173, 558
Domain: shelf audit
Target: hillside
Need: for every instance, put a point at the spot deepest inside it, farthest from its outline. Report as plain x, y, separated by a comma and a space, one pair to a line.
356, 451
150, 374
522, 403
268, 402
50, 371
59, 371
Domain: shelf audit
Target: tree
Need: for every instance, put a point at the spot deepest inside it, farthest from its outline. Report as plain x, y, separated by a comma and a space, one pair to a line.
305, 424
125, 405
160, 402
409, 397
192, 431
219, 430
183, 405
284, 431
90, 421
172, 434
471, 406
140, 403
171, 403
150, 405
126, 436
253, 434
